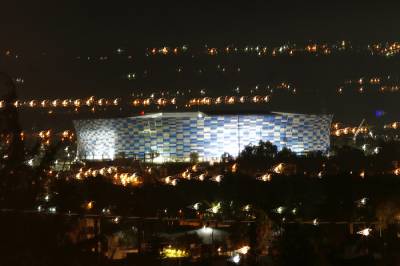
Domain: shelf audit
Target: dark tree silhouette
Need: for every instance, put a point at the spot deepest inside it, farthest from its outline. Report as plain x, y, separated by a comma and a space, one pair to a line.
350, 159
9, 123
259, 156
286, 156
20, 184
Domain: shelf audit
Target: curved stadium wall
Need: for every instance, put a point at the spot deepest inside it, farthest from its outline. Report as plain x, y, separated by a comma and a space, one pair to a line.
174, 136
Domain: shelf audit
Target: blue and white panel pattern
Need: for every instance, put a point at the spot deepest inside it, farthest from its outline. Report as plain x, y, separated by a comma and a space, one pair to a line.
173, 136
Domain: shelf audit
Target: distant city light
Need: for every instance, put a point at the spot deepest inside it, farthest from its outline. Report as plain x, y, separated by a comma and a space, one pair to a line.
365, 232
246, 208
279, 210
379, 113
315, 222
169, 252
243, 250
215, 208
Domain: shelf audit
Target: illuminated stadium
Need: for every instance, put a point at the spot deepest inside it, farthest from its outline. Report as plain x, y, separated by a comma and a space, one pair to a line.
174, 136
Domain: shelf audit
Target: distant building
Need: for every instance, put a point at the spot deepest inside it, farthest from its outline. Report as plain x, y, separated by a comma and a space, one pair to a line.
161, 137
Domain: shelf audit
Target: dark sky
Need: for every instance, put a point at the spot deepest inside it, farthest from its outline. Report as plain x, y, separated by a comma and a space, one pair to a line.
104, 24
64, 29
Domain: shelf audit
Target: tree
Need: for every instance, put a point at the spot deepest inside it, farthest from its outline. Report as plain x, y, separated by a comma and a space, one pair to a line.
13, 172
194, 157
260, 234
259, 157
153, 154
264, 150
226, 158
387, 155
9, 123
285, 155
387, 212
350, 159
20, 184
120, 155
299, 245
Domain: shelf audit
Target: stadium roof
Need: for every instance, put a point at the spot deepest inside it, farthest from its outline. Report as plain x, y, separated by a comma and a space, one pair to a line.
202, 114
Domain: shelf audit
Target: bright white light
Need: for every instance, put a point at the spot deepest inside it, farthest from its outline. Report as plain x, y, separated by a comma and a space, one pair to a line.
365, 232
246, 208
106, 211
159, 159
52, 209
236, 258
362, 202
315, 222
280, 210
207, 230
364, 147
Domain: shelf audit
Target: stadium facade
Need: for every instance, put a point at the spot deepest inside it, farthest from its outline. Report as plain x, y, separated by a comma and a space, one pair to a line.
174, 136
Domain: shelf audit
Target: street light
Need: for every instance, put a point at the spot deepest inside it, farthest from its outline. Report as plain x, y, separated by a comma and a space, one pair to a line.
236, 259
365, 232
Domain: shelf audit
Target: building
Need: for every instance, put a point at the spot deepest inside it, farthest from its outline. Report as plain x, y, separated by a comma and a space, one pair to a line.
164, 137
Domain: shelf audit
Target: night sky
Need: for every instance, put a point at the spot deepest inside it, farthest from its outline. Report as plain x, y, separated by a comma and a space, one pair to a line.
58, 25
48, 36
